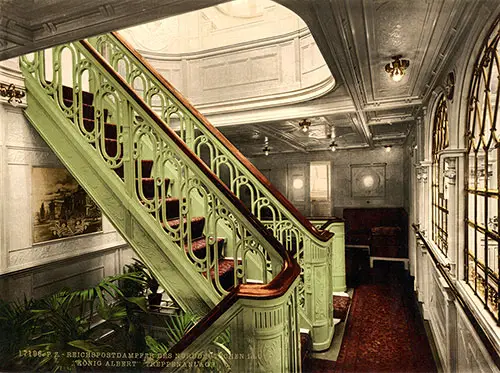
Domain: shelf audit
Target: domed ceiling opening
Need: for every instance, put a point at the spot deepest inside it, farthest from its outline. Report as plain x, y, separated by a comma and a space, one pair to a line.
250, 66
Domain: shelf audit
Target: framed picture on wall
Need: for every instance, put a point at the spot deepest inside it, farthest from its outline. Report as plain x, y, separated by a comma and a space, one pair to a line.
60, 206
368, 180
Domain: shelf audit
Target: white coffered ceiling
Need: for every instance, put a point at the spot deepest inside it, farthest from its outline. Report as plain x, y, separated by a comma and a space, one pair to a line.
356, 37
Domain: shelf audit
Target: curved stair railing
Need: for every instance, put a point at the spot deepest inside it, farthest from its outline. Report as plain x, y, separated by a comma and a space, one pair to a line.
313, 248
144, 177
198, 238
244, 332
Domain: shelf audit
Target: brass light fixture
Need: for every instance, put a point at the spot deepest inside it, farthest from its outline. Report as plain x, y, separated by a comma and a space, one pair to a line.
388, 148
333, 146
266, 149
304, 125
397, 68
12, 93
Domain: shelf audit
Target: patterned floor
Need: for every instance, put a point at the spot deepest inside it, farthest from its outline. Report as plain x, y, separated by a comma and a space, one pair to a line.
384, 331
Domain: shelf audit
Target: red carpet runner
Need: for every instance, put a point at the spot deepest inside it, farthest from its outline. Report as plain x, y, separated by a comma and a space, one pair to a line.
384, 332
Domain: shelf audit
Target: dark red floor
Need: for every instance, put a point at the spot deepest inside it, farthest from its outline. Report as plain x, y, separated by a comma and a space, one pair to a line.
384, 331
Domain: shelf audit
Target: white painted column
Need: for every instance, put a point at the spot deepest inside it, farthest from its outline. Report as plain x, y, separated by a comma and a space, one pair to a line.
3, 230
423, 276
425, 200
450, 175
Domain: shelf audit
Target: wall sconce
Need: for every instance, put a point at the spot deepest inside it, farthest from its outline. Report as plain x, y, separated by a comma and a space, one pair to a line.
388, 148
333, 146
12, 93
397, 68
304, 125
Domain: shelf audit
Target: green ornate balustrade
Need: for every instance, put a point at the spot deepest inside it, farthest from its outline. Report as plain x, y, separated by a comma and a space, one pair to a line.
75, 101
156, 192
311, 247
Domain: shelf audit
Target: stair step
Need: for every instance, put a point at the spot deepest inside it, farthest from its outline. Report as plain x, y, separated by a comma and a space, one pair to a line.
149, 186
88, 124
88, 109
226, 273
110, 131
88, 112
111, 147
172, 206
88, 97
147, 168
199, 247
197, 225
341, 307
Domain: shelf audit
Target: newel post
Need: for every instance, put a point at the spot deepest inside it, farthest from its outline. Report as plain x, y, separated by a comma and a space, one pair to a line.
338, 256
265, 335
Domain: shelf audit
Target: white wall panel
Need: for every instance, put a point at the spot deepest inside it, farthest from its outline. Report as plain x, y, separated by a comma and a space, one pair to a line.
265, 68
437, 311
215, 79
458, 345
36, 269
18, 212
472, 355
289, 66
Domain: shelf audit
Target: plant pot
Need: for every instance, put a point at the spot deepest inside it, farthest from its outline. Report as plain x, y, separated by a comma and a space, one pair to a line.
154, 299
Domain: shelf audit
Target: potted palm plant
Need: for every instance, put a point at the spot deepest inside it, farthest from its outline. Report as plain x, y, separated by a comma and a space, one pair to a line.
154, 297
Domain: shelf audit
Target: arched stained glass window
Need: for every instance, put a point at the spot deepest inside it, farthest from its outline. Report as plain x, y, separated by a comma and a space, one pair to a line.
439, 200
483, 199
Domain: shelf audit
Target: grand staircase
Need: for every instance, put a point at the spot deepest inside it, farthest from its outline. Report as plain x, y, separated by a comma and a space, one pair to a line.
140, 150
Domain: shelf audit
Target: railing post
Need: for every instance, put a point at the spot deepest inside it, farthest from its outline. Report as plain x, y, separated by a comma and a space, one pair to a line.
128, 149
422, 279
265, 335
189, 133
318, 293
338, 256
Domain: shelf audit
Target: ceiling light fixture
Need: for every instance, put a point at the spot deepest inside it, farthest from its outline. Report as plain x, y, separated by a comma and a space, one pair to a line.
397, 68
333, 146
388, 148
266, 149
304, 125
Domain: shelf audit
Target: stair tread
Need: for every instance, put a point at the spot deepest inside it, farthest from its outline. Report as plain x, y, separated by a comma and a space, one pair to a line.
201, 244
151, 179
226, 266
147, 166
341, 306
176, 222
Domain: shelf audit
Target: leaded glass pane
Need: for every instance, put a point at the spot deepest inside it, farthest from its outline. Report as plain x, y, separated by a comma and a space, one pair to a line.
439, 195
483, 202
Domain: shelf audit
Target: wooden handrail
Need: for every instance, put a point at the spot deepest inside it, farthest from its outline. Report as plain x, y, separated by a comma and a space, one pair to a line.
277, 286
234, 200
274, 289
321, 235
470, 316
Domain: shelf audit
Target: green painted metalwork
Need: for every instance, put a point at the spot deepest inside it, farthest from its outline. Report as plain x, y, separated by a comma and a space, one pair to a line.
264, 337
338, 264
140, 138
77, 132
257, 197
